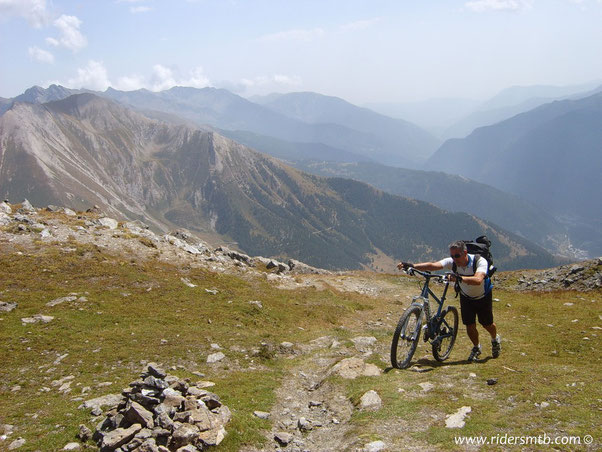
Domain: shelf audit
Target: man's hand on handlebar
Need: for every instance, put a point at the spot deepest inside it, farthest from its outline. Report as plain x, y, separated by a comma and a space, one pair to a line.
453, 277
405, 265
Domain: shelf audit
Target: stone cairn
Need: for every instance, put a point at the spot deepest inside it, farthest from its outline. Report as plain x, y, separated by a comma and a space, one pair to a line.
162, 413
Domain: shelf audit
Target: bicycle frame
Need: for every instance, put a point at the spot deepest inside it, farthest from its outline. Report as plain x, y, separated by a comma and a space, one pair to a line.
425, 305
440, 329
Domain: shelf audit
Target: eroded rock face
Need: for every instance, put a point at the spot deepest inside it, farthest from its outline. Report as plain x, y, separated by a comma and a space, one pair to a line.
160, 410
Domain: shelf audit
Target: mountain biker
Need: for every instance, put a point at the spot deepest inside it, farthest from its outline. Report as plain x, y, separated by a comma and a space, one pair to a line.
475, 293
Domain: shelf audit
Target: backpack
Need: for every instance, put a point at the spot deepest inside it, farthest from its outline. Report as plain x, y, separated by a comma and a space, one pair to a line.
480, 248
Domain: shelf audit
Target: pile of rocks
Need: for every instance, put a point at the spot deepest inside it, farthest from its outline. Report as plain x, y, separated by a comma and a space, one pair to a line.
584, 276
161, 413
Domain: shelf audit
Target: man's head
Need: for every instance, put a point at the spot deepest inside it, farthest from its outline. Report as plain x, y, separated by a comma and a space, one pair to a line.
458, 252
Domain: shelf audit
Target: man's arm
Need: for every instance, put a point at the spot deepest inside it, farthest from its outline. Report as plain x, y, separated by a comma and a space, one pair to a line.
428, 266
475, 280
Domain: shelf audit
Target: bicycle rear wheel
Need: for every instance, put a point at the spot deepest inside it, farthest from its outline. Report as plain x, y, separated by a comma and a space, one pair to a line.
445, 334
406, 336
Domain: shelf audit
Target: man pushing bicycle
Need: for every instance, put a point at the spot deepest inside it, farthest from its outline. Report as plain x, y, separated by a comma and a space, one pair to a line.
475, 288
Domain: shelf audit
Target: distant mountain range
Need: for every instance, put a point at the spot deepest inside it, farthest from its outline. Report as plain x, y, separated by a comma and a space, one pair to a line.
514, 101
86, 150
391, 137
456, 194
457, 118
345, 127
577, 235
353, 130
549, 156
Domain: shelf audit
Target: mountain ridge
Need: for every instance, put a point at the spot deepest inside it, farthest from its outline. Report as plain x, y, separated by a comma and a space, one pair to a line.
197, 179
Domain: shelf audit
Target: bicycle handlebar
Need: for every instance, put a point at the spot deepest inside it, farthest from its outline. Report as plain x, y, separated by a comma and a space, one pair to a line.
428, 275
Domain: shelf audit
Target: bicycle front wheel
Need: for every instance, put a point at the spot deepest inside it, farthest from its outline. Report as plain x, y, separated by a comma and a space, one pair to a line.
406, 336
445, 335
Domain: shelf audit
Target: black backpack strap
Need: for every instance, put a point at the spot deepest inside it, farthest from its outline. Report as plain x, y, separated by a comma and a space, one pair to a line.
474, 263
456, 284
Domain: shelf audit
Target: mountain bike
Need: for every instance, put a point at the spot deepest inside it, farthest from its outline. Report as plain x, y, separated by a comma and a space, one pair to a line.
440, 329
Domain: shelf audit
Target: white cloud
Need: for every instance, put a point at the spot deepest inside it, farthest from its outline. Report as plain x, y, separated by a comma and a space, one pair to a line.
93, 76
267, 83
498, 5
163, 78
287, 80
70, 37
359, 24
34, 11
130, 83
140, 9
197, 78
295, 35
40, 55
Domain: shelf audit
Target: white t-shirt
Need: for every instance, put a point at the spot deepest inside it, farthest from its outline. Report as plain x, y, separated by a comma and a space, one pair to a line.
469, 290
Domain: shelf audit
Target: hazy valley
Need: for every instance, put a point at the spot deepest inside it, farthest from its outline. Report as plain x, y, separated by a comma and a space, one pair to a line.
557, 230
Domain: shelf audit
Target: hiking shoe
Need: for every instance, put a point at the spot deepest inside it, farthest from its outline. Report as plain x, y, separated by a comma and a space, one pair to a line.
496, 346
474, 353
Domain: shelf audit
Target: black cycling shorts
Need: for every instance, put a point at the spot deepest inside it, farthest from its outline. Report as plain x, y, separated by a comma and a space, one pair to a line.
483, 308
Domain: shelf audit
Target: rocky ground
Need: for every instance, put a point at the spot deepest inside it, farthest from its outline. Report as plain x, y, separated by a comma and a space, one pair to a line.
583, 276
311, 411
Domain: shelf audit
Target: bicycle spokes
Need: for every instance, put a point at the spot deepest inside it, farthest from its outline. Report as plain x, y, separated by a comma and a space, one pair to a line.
405, 338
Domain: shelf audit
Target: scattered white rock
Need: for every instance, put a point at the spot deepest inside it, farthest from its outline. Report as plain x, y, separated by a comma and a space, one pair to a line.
26, 205
351, 368
72, 446
60, 300
364, 344
426, 386
456, 420
215, 357
262, 414
5, 208
110, 400
7, 307
108, 222
19, 442
304, 425
283, 438
256, 303
187, 282
37, 319
371, 401
375, 446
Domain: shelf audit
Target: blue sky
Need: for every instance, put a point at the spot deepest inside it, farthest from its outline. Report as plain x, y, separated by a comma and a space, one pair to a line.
360, 50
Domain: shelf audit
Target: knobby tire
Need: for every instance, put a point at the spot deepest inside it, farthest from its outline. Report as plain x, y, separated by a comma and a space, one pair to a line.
406, 336
446, 332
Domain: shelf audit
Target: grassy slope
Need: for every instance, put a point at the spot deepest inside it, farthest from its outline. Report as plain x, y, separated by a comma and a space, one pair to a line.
132, 306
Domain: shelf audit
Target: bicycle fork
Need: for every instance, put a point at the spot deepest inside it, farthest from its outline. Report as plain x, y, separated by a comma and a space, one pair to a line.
425, 306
